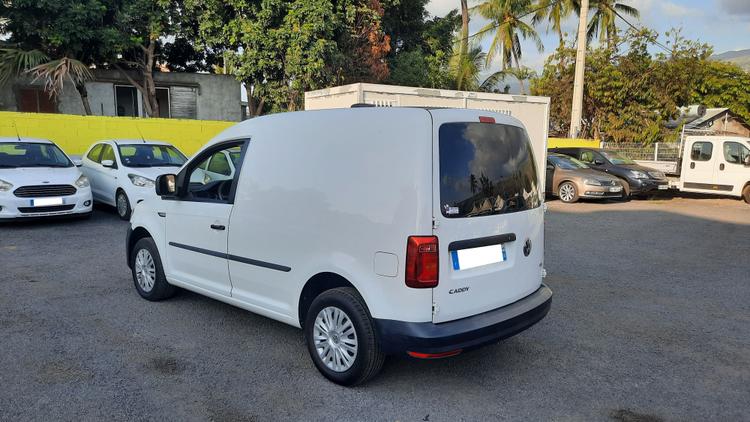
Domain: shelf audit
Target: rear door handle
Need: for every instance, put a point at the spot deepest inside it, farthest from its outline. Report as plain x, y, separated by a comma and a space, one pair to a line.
721, 166
692, 165
217, 227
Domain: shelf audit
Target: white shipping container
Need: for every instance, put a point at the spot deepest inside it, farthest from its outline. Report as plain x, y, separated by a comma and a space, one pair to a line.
532, 111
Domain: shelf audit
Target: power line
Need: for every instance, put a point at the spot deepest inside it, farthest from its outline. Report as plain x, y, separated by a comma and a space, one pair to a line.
655, 42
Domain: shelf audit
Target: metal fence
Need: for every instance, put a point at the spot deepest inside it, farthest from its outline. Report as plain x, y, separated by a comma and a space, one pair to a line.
659, 151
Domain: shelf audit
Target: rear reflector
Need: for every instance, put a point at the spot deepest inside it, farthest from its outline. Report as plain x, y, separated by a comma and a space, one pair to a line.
434, 355
486, 119
422, 262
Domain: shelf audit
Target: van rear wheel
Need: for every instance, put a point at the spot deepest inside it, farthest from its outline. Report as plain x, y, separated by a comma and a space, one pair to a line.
746, 194
341, 339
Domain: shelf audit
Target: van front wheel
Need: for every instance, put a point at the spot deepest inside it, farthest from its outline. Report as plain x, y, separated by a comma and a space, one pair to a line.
341, 339
746, 194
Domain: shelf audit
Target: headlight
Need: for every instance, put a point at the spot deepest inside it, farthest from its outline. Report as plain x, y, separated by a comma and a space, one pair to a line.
592, 182
141, 181
82, 182
5, 186
638, 174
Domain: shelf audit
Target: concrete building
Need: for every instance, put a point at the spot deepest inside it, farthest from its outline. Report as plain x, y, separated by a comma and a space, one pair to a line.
722, 120
180, 95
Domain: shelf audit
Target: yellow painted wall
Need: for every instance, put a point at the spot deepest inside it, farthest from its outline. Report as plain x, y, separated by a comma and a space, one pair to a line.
74, 134
567, 142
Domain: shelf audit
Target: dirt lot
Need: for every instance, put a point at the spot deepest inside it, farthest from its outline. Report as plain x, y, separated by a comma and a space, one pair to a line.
650, 321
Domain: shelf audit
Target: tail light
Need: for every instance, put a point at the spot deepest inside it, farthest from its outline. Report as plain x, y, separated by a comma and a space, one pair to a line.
422, 262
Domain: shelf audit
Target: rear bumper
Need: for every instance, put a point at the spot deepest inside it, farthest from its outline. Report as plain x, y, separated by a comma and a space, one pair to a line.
398, 337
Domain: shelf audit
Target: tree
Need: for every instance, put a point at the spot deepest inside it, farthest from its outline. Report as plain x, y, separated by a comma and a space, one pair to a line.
73, 35
555, 12
505, 21
279, 49
604, 19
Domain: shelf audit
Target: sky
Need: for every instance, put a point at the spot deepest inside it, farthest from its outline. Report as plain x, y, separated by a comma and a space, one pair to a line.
723, 23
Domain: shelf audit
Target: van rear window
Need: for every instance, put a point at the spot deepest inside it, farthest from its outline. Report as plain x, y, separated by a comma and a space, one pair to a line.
486, 169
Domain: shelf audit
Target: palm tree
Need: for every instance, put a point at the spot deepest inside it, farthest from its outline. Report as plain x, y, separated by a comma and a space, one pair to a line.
466, 68
555, 11
604, 19
55, 73
505, 19
15, 62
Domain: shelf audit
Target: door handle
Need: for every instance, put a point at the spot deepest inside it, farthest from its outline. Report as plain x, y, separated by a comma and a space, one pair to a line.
217, 227
692, 165
721, 166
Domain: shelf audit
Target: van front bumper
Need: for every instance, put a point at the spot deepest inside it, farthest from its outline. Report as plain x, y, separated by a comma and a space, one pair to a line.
398, 337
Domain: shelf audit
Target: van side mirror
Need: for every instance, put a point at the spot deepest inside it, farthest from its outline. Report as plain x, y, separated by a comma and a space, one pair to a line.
747, 160
166, 185
108, 163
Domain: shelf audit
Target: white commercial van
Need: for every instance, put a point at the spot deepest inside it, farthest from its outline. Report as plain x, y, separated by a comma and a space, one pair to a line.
376, 230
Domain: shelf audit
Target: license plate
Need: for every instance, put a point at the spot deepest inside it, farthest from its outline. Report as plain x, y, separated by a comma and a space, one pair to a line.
476, 257
663, 187
615, 189
45, 202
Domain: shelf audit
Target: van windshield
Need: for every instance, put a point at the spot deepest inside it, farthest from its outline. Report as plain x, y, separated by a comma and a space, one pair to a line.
486, 169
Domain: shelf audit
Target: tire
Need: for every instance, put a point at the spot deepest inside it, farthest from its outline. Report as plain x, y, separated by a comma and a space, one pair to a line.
567, 192
746, 194
625, 190
367, 355
154, 287
123, 208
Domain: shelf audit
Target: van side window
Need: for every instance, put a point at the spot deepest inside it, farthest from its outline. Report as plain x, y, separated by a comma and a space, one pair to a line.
95, 153
735, 153
701, 151
215, 176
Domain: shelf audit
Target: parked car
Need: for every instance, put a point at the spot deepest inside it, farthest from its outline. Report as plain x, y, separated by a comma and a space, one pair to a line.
37, 179
122, 172
570, 179
637, 179
359, 227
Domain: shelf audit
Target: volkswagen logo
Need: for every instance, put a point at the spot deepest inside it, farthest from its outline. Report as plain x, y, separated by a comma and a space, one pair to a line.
527, 247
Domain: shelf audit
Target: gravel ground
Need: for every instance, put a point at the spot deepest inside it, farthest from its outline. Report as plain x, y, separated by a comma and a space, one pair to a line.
650, 321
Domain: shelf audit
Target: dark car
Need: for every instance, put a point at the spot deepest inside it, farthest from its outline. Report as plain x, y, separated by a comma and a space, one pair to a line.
637, 179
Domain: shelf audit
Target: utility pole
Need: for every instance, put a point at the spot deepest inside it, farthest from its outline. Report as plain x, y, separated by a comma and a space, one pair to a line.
576, 114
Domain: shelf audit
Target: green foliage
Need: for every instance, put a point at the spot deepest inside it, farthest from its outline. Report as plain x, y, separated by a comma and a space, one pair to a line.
14, 62
629, 93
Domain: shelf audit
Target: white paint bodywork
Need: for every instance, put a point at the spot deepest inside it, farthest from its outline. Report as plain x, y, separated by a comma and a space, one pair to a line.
105, 181
27, 176
717, 175
336, 191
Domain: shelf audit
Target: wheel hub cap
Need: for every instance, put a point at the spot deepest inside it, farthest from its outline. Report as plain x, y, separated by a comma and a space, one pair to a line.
145, 270
335, 339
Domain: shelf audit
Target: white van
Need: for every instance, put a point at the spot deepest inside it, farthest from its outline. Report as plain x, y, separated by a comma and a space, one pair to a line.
376, 230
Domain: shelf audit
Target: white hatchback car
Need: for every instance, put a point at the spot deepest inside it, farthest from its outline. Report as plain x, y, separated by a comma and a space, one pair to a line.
376, 230
37, 179
122, 172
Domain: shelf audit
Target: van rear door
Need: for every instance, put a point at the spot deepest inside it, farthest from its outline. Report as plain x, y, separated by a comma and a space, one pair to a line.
487, 211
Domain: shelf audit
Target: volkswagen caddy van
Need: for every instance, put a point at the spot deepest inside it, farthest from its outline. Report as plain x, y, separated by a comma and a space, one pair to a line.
377, 231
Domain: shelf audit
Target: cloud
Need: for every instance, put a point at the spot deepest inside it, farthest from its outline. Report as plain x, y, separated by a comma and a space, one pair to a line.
677, 11
442, 7
740, 7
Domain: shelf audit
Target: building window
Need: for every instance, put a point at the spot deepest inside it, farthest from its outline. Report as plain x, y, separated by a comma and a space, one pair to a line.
162, 98
34, 100
126, 101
